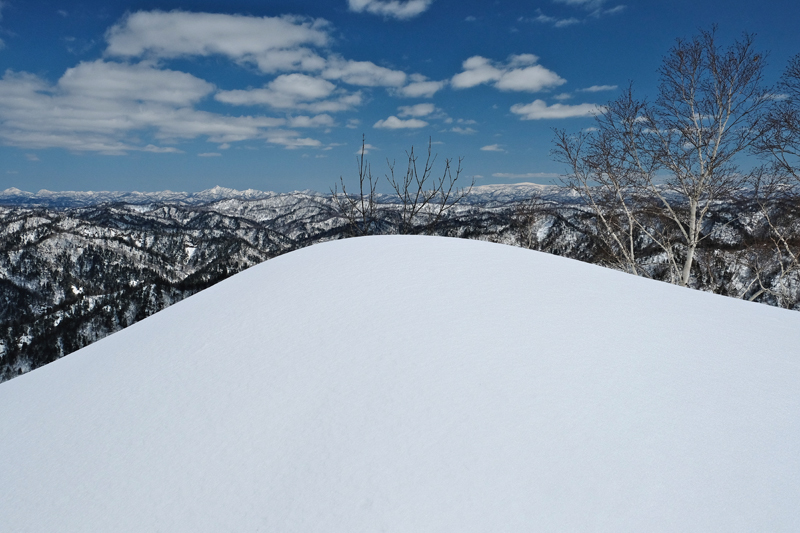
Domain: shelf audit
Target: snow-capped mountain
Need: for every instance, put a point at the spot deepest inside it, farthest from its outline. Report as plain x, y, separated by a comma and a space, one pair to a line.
483, 194
45, 198
416, 384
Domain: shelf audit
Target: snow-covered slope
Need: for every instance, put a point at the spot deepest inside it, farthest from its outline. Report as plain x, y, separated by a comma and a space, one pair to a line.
414, 384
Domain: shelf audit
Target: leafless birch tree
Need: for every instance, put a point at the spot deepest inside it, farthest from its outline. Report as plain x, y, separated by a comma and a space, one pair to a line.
652, 171
778, 194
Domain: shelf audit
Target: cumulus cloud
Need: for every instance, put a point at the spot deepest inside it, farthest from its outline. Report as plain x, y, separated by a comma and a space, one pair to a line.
463, 131
120, 81
161, 149
104, 107
477, 70
419, 110
367, 148
492, 148
400, 9
394, 123
598, 88
556, 21
587, 4
210, 154
295, 92
318, 121
363, 73
271, 43
420, 87
518, 73
538, 109
291, 140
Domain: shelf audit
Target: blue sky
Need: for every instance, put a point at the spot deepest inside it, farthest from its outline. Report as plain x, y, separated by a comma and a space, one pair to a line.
276, 95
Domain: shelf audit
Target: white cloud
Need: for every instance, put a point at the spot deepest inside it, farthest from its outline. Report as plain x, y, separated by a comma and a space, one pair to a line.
598, 88
367, 149
477, 70
271, 43
363, 73
588, 4
419, 110
519, 73
104, 107
141, 82
284, 92
353, 123
563, 96
555, 21
421, 88
528, 175
32, 157
291, 140
531, 79
613, 10
210, 154
492, 148
595, 6
161, 149
302, 87
400, 9
318, 121
538, 109
394, 123
463, 131
295, 92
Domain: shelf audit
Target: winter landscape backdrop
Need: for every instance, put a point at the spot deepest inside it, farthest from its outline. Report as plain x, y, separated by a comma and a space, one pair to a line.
355, 319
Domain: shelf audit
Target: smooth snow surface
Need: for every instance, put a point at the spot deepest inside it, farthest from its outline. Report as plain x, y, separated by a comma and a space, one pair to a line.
413, 384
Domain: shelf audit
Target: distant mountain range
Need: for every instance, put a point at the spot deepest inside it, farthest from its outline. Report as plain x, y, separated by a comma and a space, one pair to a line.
44, 198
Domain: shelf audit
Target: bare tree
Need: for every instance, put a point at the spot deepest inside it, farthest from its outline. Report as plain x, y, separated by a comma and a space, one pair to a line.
778, 194
781, 139
525, 218
651, 172
420, 201
423, 198
359, 209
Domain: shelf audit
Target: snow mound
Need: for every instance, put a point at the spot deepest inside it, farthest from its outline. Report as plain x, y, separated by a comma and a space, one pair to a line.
413, 384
